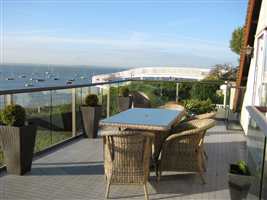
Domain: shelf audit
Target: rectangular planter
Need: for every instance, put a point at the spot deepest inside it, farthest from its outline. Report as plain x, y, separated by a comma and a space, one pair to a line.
238, 180
90, 118
241, 181
18, 147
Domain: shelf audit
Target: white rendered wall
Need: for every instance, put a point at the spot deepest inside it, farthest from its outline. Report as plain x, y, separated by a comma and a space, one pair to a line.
248, 99
154, 72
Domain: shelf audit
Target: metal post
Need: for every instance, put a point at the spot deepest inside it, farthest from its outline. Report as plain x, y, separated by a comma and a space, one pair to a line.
224, 99
73, 112
177, 92
108, 101
50, 115
101, 90
9, 99
227, 104
225, 93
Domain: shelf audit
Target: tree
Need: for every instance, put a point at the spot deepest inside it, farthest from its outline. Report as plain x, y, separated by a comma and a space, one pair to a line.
237, 40
222, 72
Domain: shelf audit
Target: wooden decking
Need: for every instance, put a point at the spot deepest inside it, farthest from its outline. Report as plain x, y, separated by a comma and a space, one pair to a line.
76, 172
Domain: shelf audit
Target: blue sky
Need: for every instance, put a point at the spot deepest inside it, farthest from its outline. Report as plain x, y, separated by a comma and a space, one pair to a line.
120, 33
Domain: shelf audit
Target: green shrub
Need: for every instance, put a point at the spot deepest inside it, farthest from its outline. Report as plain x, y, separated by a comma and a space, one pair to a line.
91, 100
203, 91
124, 91
240, 167
169, 93
196, 106
13, 115
243, 166
184, 90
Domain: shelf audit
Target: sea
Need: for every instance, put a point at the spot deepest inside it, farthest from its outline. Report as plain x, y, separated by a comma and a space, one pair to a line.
13, 76
21, 76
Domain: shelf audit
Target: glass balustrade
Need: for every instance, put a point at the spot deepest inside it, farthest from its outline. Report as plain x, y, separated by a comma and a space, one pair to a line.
56, 112
61, 115
38, 106
257, 155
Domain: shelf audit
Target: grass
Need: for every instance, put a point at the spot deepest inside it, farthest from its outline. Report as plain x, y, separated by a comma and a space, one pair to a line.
1, 158
46, 138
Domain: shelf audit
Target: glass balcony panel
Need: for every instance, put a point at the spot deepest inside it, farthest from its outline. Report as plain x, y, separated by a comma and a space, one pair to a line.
2, 101
79, 101
2, 104
114, 94
256, 148
104, 90
150, 89
61, 116
38, 111
264, 181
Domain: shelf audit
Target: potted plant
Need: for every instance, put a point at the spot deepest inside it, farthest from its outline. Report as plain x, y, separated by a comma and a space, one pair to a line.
239, 180
18, 139
124, 100
91, 114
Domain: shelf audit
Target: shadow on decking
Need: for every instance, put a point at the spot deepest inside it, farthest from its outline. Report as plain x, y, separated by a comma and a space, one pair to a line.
67, 163
235, 132
68, 170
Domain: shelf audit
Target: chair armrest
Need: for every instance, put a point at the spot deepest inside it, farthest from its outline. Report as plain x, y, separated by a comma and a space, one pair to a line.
183, 134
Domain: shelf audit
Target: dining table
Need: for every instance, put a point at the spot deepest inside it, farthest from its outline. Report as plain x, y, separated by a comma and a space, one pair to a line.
156, 120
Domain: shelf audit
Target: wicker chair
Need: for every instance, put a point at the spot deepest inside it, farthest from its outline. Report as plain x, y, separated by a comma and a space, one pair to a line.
183, 151
160, 138
127, 158
209, 115
173, 106
187, 125
140, 100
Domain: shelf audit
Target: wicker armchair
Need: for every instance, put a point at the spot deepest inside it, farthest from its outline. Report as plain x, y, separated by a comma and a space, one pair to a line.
183, 151
140, 100
209, 115
173, 106
127, 158
195, 123
160, 138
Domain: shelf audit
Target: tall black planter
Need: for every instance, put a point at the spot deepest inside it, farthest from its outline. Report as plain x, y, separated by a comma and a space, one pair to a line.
124, 103
90, 118
18, 146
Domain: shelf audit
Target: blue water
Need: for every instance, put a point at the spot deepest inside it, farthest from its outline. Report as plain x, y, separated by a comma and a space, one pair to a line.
28, 74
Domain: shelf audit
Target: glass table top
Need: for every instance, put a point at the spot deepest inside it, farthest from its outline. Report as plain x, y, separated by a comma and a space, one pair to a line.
147, 117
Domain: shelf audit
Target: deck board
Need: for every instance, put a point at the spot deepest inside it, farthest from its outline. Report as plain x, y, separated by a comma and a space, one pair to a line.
76, 172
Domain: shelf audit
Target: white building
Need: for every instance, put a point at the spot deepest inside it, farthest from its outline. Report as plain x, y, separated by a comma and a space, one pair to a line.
255, 34
170, 73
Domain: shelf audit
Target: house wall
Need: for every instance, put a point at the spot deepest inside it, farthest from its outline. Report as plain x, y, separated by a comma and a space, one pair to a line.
253, 98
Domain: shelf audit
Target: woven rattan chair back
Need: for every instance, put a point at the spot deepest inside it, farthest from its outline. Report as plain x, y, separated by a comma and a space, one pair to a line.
140, 100
209, 115
172, 105
127, 158
182, 151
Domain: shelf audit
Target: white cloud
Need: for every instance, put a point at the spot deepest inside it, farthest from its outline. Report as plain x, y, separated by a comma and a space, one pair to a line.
134, 49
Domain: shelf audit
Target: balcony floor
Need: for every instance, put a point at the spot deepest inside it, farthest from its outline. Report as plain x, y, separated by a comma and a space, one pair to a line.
75, 171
